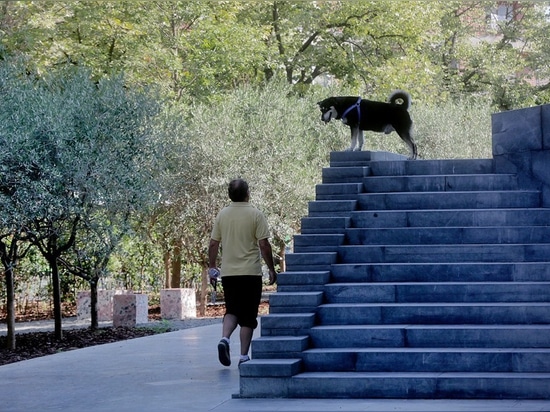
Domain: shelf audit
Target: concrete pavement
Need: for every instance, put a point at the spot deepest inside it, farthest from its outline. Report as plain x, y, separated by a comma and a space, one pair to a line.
177, 371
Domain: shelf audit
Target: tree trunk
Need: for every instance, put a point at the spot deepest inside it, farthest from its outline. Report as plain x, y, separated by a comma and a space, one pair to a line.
167, 276
175, 280
93, 303
10, 303
203, 293
56, 286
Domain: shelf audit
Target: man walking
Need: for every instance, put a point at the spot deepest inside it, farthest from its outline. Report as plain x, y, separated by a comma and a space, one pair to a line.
243, 232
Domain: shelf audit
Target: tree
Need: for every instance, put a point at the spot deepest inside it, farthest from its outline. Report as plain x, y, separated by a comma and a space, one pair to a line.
12, 249
19, 172
195, 50
89, 255
89, 144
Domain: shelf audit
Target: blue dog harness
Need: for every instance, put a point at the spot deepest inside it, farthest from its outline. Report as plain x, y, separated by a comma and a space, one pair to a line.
349, 109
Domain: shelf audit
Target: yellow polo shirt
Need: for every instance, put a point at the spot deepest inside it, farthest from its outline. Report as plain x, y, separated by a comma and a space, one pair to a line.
239, 227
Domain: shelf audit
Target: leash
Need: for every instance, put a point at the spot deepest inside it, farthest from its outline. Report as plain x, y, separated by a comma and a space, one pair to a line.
349, 109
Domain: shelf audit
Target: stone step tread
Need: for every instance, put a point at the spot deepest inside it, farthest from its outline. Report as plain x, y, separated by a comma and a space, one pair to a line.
385, 375
460, 210
436, 304
436, 264
511, 326
449, 194
433, 249
270, 367
429, 166
503, 291
445, 245
384, 163
449, 200
281, 338
305, 273
472, 252
429, 283
445, 183
429, 217
427, 349
439, 175
499, 228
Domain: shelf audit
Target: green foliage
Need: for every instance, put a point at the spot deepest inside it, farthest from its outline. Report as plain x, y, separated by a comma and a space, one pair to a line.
269, 137
195, 49
135, 265
453, 130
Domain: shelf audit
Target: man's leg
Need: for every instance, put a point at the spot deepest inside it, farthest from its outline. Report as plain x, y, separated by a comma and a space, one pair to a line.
246, 339
229, 325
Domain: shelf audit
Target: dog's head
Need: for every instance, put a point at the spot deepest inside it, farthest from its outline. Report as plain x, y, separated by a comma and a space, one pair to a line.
328, 111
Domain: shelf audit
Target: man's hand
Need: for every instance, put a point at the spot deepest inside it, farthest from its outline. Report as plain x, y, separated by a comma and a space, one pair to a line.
272, 277
214, 273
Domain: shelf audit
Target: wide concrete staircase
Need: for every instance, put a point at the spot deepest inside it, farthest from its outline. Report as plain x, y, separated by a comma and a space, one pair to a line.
411, 279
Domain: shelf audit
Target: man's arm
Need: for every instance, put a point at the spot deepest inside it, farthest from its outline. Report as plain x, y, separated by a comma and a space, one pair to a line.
213, 249
267, 254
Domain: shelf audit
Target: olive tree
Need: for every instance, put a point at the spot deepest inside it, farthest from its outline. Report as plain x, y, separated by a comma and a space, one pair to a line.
88, 145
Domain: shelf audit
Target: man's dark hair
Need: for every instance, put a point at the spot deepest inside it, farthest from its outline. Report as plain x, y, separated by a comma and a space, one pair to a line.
238, 190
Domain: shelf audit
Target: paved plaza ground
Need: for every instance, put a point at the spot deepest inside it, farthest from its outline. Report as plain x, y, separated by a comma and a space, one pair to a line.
176, 371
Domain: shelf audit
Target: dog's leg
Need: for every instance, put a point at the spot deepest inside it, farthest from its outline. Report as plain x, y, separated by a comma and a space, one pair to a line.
353, 144
360, 140
407, 138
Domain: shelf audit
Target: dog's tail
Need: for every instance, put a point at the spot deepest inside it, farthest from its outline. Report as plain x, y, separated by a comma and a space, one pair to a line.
397, 95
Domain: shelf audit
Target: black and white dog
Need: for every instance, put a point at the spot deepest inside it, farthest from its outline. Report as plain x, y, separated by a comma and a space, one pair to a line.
375, 116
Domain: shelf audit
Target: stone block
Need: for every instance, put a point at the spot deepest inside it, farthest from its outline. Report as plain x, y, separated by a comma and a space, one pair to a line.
541, 166
130, 310
517, 131
104, 304
83, 305
546, 126
178, 303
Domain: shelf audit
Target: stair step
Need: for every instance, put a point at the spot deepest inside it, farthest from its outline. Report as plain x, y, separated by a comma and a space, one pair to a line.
383, 359
481, 313
436, 183
297, 262
437, 292
304, 281
433, 167
338, 191
308, 278
287, 324
420, 385
318, 242
270, 367
268, 347
431, 336
332, 207
325, 224
450, 200
444, 235
346, 174
363, 158
446, 218
294, 302
441, 272
445, 253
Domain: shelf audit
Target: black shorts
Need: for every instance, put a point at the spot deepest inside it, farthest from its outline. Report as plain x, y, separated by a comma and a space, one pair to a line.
242, 298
